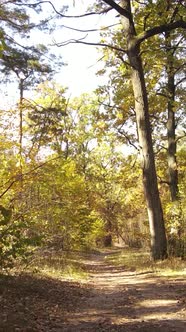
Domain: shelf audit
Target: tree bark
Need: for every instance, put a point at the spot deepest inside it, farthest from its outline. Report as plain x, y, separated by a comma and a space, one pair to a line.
154, 208
21, 88
171, 126
108, 216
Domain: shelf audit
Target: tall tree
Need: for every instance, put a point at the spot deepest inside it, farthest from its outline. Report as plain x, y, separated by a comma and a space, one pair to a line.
174, 68
164, 64
30, 69
133, 42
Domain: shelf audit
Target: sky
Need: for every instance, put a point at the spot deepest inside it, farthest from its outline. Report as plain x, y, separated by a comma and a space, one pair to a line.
79, 75
83, 61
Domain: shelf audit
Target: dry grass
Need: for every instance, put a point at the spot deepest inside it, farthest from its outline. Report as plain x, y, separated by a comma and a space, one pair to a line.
69, 265
58, 265
140, 261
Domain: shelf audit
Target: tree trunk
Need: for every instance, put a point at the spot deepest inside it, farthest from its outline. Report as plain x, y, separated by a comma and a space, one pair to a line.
154, 208
107, 241
171, 136
109, 218
176, 240
21, 88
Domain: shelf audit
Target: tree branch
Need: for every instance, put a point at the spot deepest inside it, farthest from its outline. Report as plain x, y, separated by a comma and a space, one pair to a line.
80, 41
62, 15
180, 81
163, 181
89, 30
160, 29
10, 185
124, 62
161, 147
118, 8
180, 137
128, 139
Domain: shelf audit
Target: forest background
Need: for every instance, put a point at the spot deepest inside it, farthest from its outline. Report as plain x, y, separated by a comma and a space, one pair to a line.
74, 173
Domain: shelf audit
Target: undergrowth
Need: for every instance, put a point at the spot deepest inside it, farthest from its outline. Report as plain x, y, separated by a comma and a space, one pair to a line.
58, 264
140, 261
70, 264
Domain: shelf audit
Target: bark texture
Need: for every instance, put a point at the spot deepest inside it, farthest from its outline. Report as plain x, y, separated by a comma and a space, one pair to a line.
171, 126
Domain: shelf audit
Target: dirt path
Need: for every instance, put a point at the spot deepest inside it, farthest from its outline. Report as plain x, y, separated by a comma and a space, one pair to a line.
112, 299
121, 300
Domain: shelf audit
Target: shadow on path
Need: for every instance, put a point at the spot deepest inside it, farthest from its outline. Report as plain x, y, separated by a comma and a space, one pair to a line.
112, 299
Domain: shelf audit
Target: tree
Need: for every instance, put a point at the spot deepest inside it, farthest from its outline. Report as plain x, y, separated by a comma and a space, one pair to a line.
163, 58
29, 68
133, 42
174, 69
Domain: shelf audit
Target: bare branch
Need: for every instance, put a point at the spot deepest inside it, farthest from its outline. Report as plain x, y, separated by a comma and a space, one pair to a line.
81, 41
10, 185
128, 139
180, 81
89, 30
180, 137
161, 147
162, 94
124, 62
62, 15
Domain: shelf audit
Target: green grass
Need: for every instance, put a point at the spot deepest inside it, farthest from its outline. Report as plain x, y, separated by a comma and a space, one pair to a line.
140, 261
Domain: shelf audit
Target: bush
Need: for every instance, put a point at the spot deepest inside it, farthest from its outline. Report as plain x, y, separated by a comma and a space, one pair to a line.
14, 242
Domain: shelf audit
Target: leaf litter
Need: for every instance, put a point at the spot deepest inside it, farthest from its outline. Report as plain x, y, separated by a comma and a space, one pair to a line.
111, 298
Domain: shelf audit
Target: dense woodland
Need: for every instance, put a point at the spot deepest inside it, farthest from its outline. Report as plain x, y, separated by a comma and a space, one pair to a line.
103, 168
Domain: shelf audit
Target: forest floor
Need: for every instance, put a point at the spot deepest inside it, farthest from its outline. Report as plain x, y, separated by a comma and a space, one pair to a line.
110, 298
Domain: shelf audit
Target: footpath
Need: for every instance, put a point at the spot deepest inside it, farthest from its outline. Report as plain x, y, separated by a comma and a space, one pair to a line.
111, 299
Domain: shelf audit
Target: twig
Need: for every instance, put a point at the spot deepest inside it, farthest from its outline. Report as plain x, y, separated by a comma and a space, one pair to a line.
81, 41
128, 140
62, 15
89, 30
